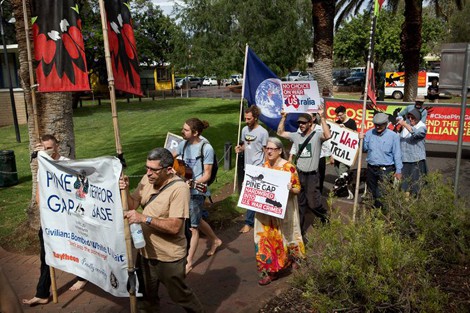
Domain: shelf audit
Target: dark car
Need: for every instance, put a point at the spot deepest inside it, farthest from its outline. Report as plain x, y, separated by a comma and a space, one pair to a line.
356, 79
340, 75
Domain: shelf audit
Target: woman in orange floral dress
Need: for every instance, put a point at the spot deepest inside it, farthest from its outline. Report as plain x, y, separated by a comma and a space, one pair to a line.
278, 242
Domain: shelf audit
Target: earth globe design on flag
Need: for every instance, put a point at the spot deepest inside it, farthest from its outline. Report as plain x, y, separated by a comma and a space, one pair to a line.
269, 97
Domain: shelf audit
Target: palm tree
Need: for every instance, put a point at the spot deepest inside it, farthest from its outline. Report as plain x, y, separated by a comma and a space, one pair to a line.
323, 14
410, 38
54, 111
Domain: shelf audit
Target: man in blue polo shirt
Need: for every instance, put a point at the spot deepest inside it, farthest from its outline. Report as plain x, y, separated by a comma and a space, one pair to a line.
383, 155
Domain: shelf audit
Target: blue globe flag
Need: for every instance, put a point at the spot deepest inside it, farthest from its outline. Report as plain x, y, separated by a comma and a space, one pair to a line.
263, 88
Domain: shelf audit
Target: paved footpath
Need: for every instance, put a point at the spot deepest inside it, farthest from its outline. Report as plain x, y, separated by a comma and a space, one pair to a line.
225, 282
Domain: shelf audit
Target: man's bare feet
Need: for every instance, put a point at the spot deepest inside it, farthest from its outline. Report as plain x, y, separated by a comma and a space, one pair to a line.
79, 284
35, 301
245, 229
217, 243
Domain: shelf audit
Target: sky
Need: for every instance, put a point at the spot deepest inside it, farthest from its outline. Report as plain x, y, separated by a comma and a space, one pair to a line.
166, 5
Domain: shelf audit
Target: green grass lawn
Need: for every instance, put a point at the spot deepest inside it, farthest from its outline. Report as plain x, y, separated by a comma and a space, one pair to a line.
143, 126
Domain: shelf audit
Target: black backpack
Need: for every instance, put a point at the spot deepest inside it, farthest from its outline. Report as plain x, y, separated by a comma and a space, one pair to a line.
215, 165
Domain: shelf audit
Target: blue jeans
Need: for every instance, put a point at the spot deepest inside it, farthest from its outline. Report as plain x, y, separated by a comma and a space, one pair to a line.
375, 174
250, 218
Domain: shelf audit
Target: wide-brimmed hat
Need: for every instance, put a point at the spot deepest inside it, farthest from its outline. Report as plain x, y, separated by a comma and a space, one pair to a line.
420, 99
380, 118
305, 118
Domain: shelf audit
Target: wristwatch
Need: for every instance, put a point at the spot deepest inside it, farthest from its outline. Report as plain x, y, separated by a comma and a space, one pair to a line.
148, 220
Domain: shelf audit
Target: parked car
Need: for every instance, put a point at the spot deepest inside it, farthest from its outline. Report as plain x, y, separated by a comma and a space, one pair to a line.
209, 81
194, 82
235, 79
299, 75
356, 79
339, 76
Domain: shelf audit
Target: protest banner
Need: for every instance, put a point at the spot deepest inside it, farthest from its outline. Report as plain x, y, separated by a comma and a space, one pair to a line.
82, 220
265, 190
442, 121
344, 144
172, 141
300, 97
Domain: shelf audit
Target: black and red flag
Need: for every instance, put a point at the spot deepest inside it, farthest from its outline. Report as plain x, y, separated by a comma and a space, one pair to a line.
122, 47
58, 46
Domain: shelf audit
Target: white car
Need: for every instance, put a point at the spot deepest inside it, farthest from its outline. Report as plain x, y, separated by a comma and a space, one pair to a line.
298, 75
210, 81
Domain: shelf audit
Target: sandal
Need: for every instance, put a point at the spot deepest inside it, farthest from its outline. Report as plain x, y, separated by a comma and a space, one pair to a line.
266, 280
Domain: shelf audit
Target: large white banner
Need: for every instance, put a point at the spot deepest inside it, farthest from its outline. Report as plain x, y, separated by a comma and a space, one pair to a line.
265, 190
300, 97
82, 219
344, 144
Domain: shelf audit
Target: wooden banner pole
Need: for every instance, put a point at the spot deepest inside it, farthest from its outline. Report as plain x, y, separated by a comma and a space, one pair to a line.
32, 86
112, 95
240, 121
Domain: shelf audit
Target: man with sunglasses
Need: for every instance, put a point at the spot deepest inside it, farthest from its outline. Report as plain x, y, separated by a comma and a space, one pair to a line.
252, 142
164, 198
308, 143
383, 155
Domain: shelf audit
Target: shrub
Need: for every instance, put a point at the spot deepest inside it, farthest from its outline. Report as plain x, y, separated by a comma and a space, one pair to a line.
363, 267
435, 218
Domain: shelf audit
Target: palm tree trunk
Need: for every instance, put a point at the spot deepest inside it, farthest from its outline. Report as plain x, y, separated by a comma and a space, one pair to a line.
54, 111
323, 13
410, 46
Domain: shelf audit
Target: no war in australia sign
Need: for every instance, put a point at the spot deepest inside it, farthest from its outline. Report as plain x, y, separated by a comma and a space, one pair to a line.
265, 190
344, 144
300, 96
82, 220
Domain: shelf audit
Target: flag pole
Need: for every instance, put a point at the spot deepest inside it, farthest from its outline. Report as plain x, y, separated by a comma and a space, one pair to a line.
364, 112
32, 86
240, 119
31, 73
112, 96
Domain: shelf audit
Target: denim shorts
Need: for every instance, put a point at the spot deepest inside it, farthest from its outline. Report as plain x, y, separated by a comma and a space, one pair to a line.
196, 205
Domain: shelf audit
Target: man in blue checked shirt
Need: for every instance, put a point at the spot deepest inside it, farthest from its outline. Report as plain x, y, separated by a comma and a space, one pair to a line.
383, 155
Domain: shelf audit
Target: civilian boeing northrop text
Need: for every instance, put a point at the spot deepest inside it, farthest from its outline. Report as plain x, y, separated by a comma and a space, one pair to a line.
256, 72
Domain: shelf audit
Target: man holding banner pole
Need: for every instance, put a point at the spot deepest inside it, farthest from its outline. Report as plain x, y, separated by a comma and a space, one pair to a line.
309, 143
50, 145
252, 142
165, 201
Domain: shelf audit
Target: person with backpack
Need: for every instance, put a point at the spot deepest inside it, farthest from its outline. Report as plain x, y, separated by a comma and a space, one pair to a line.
309, 143
199, 159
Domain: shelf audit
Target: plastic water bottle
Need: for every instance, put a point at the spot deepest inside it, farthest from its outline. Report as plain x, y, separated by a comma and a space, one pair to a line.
137, 235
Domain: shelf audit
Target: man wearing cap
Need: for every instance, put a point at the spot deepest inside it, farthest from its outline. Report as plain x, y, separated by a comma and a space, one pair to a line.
413, 150
383, 155
308, 144
419, 101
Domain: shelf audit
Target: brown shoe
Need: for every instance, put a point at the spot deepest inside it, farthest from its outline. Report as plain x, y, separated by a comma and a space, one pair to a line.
245, 229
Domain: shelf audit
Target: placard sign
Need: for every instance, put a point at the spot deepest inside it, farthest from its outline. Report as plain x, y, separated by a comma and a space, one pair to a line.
265, 190
172, 141
344, 144
300, 97
82, 220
